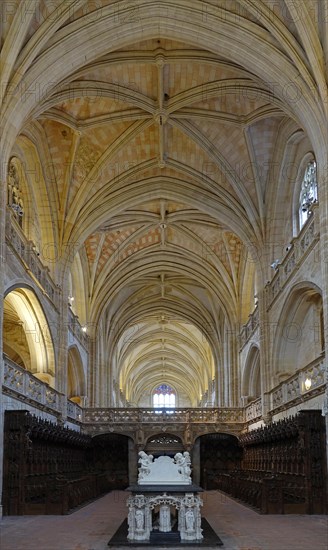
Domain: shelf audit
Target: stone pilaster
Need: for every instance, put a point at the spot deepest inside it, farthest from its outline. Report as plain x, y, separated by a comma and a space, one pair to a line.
62, 351
266, 367
2, 274
322, 167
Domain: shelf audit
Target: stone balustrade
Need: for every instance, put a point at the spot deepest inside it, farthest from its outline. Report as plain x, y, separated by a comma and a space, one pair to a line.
298, 251
253, 411
25, 250
76, 329
162, 416
293, 390
249, 328
74, 411
24, 386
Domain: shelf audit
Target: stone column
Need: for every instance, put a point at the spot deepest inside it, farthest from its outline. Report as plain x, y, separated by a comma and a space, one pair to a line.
322, 168
2, 270
91, 370
133, 460
62, 351
265, 366
196, 462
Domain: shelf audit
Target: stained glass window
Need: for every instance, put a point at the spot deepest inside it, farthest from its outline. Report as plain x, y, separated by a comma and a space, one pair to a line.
309, 192
164, 397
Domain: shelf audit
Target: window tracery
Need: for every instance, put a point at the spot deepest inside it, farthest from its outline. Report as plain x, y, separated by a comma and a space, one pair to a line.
164, 397
309, 192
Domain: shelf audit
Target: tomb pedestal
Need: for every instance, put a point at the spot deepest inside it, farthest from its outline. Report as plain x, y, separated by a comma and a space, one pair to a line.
165, 509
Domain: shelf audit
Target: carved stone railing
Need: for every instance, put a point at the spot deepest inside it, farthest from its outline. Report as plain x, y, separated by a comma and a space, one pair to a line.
76, 329
249, 328
25, 251
149, 415
24, 386
293, 391
74, 411
299, 249
253, 410
29, 388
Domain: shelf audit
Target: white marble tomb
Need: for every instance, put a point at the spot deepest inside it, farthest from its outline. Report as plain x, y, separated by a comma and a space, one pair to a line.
175, 473
164, 470
140, 518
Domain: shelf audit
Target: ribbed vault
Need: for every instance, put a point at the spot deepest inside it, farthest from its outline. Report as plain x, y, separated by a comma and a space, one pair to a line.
152, 137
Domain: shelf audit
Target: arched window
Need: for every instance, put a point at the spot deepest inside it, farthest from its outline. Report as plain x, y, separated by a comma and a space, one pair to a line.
164, 397
309, 192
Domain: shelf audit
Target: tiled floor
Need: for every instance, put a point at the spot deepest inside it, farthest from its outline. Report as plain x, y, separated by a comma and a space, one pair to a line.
91, 527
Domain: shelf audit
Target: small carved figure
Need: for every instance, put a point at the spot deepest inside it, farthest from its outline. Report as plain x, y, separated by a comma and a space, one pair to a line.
183, 461
190, 520
145, 460
179, 459
187, 463
139, 516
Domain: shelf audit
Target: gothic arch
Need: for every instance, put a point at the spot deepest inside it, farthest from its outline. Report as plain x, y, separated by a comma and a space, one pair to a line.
251, 377
308, 157
164, 443
27, 332
298, 337
76, 383
40, 217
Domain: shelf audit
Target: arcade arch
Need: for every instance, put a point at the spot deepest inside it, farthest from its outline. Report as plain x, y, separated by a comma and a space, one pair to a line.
27, 337
76, 383
251, 377
299, 335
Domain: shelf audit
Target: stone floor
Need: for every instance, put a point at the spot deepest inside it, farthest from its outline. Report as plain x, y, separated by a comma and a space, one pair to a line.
91, 527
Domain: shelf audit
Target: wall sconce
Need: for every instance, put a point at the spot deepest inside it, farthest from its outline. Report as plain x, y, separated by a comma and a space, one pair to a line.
70, 300
84, 329
275, 264
308, 384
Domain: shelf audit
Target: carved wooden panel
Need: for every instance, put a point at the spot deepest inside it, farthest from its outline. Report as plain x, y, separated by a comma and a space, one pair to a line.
219, 453
49, 469
283, 467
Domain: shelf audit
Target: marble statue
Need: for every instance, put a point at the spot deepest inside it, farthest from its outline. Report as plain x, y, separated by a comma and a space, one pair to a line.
190, 520
145, 461
184, 462
164, 470
139, 516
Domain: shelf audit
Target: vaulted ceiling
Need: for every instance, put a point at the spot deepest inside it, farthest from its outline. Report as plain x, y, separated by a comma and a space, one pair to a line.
157, 156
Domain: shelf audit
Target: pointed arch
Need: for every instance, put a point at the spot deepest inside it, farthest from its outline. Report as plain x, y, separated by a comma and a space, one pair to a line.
76, 382
251, 377
27, 332
298, 338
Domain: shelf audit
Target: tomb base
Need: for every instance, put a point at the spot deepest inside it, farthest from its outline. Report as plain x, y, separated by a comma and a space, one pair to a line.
157, 508
210, 540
